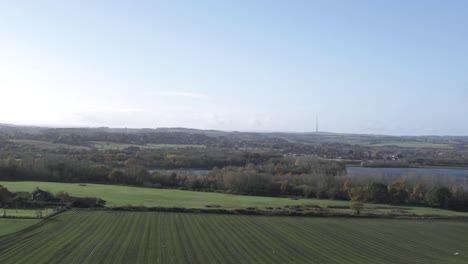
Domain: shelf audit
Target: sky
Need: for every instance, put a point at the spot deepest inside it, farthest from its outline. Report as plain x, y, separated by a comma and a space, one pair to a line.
378, 67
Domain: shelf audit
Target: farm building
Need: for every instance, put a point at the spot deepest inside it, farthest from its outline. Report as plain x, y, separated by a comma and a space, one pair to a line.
41, 196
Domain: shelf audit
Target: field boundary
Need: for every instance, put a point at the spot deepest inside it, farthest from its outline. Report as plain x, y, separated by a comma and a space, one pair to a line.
259, 212
42, 221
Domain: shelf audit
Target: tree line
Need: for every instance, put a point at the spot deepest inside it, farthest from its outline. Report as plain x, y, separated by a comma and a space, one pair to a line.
239, 172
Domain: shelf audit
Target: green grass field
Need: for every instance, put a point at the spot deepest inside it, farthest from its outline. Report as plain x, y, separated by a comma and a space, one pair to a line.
99, 145
138, 237
109, 145
25, 212
137, 196
9, 226
46, 144
125, 195
410, 144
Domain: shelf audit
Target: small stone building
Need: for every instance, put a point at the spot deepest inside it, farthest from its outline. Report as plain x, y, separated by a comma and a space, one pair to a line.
41, 196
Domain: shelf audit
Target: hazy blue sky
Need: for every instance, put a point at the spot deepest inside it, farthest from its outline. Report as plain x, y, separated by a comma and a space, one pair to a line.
386, 67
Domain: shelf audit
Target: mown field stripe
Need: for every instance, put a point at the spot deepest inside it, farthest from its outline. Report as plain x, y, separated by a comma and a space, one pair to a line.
152, 237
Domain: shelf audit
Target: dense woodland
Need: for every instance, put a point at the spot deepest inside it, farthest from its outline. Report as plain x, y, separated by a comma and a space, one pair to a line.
240, 163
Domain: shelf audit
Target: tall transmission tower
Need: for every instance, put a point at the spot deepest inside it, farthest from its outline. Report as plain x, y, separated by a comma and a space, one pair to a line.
316, 125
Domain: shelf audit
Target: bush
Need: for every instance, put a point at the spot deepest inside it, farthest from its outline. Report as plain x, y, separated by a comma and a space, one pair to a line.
377, 193
356, 206
439, 197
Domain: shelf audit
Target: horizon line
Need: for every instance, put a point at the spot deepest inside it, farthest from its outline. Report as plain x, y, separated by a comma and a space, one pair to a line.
226, 130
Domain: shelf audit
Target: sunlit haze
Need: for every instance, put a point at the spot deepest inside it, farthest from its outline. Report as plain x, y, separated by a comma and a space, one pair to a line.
384, 67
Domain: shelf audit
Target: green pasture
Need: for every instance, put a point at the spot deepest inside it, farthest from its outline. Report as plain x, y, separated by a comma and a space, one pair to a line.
116, 195
100, 145
110, 145
46, 144
10, 226
409, 144
12, 212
